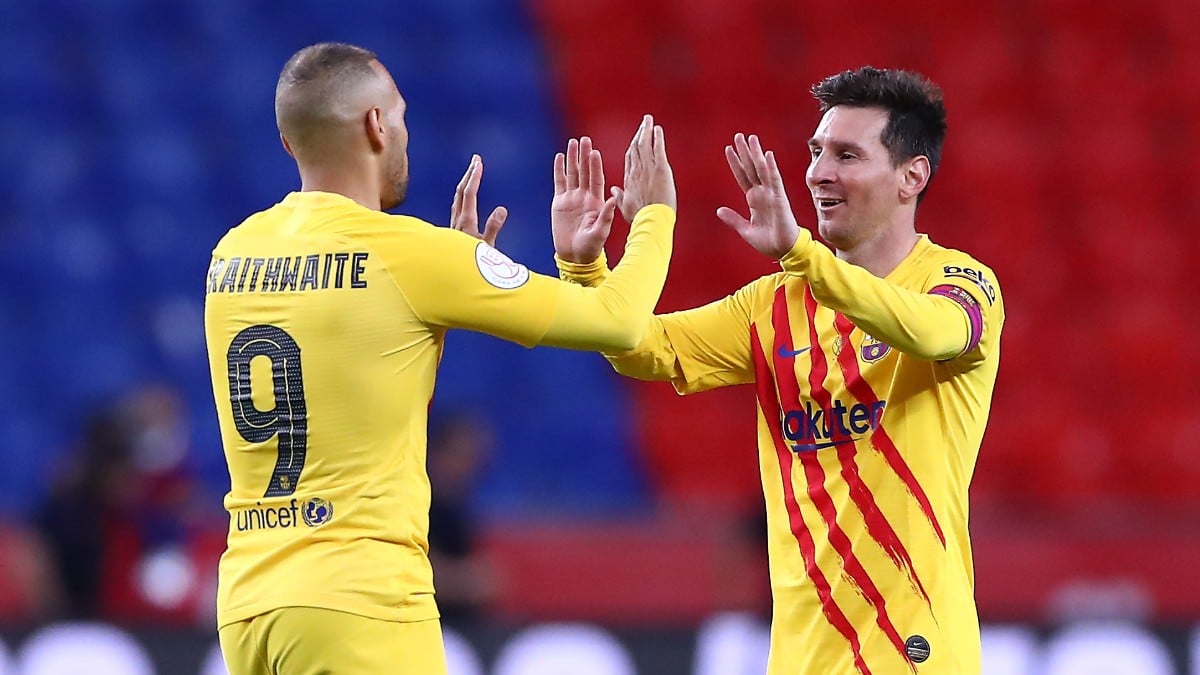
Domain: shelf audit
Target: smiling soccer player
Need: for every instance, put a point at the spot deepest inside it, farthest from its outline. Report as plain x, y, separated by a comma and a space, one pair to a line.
874, 366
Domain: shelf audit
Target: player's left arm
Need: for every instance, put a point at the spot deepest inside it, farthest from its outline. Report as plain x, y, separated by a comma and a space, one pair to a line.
695, 350
938, 325
947, 320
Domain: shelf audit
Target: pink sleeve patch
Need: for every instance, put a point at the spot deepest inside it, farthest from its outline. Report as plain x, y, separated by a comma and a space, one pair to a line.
969, 305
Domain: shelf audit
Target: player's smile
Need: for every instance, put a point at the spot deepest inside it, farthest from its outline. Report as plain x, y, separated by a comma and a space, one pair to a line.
827, 204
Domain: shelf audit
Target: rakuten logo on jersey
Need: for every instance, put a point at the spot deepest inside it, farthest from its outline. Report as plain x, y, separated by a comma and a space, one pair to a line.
813, 428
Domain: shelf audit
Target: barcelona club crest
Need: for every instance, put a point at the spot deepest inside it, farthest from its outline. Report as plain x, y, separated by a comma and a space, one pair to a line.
873, 350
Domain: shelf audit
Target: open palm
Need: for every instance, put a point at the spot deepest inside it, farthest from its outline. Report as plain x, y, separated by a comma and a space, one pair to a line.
771, 228
580, 216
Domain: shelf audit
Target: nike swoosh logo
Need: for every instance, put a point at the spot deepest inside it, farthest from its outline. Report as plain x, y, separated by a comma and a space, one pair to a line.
786, 353
821, 446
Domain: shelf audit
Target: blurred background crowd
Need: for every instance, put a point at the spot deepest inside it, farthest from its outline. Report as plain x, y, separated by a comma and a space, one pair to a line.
134, 133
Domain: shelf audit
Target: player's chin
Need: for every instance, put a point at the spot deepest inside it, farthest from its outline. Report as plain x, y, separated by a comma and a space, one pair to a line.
829, 228
396, 198
836, 232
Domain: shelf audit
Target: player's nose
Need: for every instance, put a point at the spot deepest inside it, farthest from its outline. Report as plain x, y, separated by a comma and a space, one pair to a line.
820, 171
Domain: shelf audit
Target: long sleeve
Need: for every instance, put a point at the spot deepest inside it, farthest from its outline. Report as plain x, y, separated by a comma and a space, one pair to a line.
459, 282
611, 315
941, 323
696, 349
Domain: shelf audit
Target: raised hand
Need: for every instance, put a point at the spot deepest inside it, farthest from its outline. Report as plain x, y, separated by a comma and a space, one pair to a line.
580, 217
464, 214
648, 175
772, 229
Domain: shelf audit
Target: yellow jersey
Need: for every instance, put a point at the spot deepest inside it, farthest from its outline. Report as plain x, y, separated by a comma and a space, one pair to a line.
325, 322
873, 395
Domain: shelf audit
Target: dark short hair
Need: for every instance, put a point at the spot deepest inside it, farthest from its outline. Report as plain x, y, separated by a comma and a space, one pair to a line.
916, 115
314, 79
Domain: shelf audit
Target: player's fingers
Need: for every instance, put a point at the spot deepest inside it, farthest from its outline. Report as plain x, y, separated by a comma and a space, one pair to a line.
572, 164
642, 155
560, 177
491, 229
604, 219
660, 147
462, 183
629, 152
596, 175
645, 152
456, 208
735, 167
456, 205
759, 159
774, 176
733, 219
585, 162
743, 154
622, 203
630, 162
470, 204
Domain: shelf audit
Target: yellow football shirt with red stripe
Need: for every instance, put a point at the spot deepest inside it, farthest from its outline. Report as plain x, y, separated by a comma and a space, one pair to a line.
873, 395
325, 322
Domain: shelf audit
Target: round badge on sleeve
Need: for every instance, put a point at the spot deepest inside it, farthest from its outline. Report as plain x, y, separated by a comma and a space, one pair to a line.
498, 269
917, 648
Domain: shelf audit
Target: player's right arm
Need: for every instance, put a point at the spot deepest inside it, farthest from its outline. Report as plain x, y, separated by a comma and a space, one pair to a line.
452, 280
695, 350
504, 299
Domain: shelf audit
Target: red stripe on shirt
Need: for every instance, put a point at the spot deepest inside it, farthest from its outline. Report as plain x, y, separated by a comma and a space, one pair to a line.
878, 526
861, 390
814, 473
768, 402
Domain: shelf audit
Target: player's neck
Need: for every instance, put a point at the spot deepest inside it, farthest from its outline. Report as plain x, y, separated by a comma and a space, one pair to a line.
882, 253
358, 185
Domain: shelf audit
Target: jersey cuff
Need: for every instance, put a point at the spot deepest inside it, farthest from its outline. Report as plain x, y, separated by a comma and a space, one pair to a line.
797, 258
969, 305
666, 213
584, 274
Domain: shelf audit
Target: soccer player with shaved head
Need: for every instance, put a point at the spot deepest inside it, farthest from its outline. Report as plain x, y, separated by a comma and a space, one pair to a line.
325, 318
874, 365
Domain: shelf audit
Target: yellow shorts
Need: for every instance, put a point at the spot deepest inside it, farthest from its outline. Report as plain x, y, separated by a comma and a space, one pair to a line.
312, 641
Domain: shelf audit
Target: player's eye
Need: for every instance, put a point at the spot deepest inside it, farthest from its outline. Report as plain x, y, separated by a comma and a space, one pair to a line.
847, 156
815, 152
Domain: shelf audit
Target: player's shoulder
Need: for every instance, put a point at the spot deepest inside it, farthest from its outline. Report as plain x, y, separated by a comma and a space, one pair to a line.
951, 265
411, 234
253, 224
377, 224
944, 255
762, 290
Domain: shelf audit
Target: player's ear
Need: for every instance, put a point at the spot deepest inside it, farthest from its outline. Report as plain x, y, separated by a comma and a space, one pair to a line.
287, 146
376, 129
915, 177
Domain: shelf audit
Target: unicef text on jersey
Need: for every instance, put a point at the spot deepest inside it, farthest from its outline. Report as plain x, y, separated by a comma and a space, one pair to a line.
313, 512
